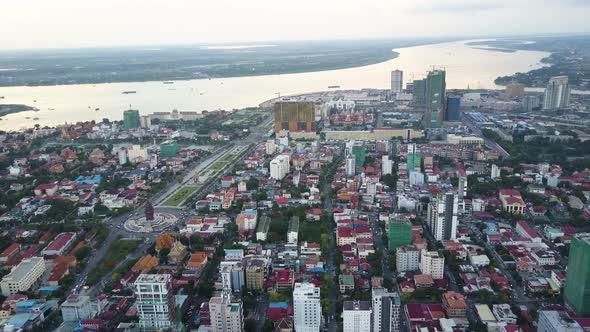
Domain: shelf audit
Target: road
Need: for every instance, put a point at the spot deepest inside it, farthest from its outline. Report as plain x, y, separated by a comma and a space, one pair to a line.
331, 321
118, 231
489, 143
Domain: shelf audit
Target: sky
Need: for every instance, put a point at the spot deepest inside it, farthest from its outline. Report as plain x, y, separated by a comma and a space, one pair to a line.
86, 23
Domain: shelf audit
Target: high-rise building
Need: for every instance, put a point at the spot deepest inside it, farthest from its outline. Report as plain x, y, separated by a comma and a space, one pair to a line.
356, 316
386, 165
280, 166
413, 159
145, 121
131, 119
155, 301
433, 263
359, 151
453, 109
350, 167
577, 285
79, 307
295, 116
557, 93
386, 311
435, 98
529, 103
122, 154
419, 93
407, 259
168, 149
442, 216
226, 315
397, 81
399, 233
307, 308
462, 190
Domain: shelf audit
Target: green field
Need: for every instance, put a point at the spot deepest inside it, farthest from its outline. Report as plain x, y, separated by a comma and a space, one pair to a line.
116, 253
179, 196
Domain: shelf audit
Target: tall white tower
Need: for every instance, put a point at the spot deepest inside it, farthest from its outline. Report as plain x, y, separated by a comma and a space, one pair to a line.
308, 311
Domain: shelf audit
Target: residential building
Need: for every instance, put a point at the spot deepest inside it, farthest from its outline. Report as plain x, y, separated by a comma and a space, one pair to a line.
155, 301
137, 154
419, 92
454, 304
226, 315
407, 259
557, 93
503, 313
58, 246
433, 263
386, 311
557, 321
307, 308
397, 81
399, 233
23, 276
442, 216
131, 119
577, 284
356, 316
350, 167
495, 172
232, 275
279, 167
386, 165
270, 147
263, 228
255, 274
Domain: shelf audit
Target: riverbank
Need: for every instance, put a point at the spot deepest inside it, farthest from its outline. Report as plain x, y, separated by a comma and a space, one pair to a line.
569, 56
169, 64
6, 109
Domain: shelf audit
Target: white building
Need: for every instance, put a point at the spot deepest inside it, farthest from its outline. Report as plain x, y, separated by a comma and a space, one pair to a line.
433, 263
557, 93
232, 275
386, 165
293, 230
557, 321
226, 315
407, 258
23, 276
156, 304
386, 311
442, 216
270, 147
495, 172
78, 307
279, 167
350, 166
122, 154
308, 311
356, 316
397, 81
137, 154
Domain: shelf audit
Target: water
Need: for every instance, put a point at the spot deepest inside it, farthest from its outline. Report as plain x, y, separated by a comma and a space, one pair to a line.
465, 66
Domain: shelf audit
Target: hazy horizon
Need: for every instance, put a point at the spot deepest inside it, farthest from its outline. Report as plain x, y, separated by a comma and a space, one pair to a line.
39, 24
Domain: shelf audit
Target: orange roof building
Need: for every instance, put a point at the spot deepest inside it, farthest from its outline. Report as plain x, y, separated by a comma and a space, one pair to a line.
165, 241
197, 261
454, 304
145, 263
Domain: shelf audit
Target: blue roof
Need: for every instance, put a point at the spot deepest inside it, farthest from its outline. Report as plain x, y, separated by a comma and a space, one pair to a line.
28, 303
318, 269
19, 320
284, 305
249, 211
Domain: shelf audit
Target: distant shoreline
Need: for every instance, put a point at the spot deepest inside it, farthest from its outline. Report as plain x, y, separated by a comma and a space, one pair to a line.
376, 60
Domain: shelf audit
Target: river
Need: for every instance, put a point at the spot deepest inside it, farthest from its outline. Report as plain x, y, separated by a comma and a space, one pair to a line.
465, 66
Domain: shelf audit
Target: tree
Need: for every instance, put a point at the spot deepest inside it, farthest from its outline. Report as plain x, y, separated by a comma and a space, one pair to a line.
115, 277
269, 326
250, 325
164, 255
82, 253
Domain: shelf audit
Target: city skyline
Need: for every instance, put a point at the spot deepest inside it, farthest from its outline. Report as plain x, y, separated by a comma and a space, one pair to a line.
69, 24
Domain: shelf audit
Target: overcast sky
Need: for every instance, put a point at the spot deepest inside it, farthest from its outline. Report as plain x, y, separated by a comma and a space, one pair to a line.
80, 23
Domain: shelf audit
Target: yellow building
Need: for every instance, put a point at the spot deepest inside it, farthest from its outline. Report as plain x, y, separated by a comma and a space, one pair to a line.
295, 116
